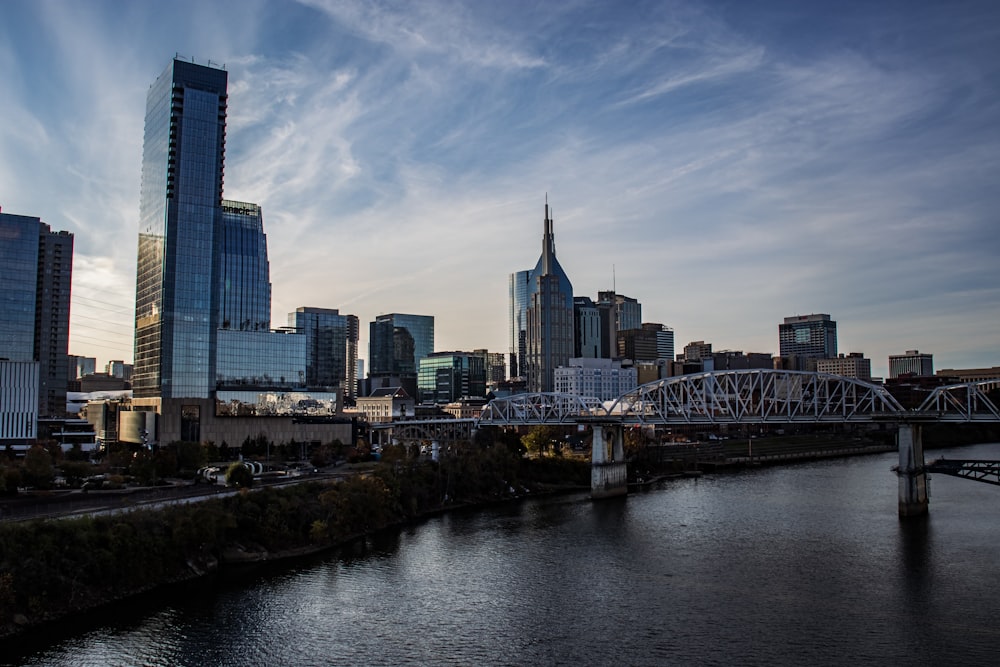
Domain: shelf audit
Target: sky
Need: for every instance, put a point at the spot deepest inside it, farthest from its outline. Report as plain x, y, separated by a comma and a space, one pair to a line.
728, 164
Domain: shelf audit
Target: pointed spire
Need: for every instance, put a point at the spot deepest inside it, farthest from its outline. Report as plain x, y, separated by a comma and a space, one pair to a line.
548, 242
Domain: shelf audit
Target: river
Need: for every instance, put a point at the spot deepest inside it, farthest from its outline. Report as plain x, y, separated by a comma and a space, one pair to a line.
805, 564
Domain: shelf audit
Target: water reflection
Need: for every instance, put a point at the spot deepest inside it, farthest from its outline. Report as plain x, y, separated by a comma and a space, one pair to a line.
805, 564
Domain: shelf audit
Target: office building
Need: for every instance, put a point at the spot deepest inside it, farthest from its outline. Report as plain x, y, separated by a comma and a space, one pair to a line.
520, 289
853, 365
664, 340
176, 311
627, 312
244, 283
587, 341
206, 360
78, 367
970, 374
697, 350
444, 377
912, 363
331, 347
604, 379
637, 345
36, 269
119, 369
396, 344
549, 316
496, 366
803, 339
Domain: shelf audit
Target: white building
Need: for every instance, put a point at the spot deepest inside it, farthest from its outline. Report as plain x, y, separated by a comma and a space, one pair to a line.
854, 365
604, 379
915, 362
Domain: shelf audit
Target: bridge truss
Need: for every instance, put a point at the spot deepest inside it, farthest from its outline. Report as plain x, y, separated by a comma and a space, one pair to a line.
749, 397
540, 408
724, 397
754, 396
963, 402
976, 470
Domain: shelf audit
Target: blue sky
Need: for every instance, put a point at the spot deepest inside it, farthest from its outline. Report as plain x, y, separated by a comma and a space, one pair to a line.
728, 164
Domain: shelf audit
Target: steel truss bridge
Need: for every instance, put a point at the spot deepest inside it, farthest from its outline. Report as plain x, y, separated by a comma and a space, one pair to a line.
757, 396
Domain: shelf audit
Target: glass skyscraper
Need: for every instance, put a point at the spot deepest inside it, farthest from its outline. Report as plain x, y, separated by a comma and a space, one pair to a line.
36, 267
244, 273
444, 377
520, 288
177, 303
549, 317
331, 347
396, 344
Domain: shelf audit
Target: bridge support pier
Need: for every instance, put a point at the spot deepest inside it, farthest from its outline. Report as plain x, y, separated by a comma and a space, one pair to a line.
912, 477
608, 474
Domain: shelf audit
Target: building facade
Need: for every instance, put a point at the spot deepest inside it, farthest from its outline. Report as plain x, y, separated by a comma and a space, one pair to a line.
177, 305
397, 343
445, 377
206, 360
912, 363
36, 270
587, 325
520, 288
244, 274
550, 316
331, 347
853, 365
604, 379
803, 339
627, 312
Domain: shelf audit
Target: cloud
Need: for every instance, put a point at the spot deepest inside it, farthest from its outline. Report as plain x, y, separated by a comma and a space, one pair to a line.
732, 167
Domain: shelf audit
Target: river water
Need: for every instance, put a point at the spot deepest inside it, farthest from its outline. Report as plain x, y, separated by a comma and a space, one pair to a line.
806, 564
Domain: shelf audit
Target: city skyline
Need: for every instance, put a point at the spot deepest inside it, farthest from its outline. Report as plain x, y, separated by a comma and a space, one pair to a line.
727, 166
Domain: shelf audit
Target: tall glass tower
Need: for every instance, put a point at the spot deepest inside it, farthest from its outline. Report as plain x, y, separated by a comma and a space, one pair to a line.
331, 347
36, 266
244, 273
520, 288
177, 306
549, 316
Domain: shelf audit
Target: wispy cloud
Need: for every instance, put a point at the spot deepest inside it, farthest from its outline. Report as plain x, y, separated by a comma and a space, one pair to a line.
734, 166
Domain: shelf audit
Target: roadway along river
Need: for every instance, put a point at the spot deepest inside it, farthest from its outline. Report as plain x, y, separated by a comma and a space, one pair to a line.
800, 565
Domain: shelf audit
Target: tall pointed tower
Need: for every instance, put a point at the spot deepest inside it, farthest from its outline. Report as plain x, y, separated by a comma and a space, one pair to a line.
549, 315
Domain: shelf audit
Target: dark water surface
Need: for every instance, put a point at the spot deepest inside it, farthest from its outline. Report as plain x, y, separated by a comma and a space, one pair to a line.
799, 565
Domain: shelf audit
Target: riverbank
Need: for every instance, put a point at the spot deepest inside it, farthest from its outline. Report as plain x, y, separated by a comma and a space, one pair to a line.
51, 571
54, 569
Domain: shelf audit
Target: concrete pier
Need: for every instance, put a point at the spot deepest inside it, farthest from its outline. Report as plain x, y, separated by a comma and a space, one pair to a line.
608, 474
912, 477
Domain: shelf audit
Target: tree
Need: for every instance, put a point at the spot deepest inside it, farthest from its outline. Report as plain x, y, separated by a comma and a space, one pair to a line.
38, 471
239, 475
539, 438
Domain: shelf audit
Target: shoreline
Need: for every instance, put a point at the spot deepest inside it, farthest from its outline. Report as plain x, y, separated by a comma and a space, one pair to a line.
237, 561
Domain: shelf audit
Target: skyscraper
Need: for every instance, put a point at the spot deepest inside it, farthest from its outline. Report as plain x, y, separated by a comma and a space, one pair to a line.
520, 288
396, 344
804, 338
244, 283
331, 347
177, 303
549, 316
36, 269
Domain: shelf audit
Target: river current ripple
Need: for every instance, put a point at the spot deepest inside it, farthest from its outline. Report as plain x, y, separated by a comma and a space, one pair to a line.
805, 564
